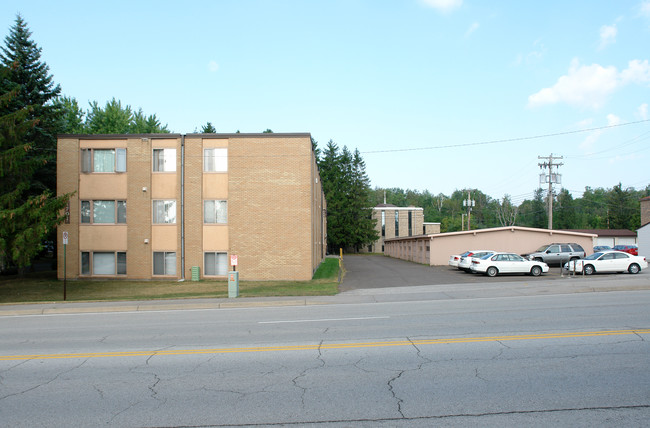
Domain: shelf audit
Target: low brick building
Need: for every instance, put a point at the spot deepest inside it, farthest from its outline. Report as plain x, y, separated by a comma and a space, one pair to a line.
155, 206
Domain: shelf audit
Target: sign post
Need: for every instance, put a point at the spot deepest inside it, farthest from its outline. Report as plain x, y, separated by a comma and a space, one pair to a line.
233, 277
65, 244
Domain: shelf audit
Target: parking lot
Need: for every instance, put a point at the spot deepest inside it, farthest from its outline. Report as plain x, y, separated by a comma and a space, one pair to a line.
377, 271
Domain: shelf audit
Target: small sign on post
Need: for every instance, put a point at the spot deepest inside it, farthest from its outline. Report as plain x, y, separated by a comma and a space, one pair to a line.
234, 260
65, 246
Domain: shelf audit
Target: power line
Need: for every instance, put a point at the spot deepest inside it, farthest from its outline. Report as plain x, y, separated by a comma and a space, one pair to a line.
507, 140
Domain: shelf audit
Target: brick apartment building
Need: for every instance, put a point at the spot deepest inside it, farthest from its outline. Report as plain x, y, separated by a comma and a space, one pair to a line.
155, 206
393, 222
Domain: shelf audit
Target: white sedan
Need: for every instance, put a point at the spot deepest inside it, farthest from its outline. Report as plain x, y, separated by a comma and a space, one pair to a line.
608, 261
455, 259
466, 261
498, 263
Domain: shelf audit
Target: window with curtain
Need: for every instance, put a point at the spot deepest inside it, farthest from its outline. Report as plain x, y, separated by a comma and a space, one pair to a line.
164, 212
103, 160
215, 211
103, 263
104, 212
164, 160
164, 263
215, 264
215, 160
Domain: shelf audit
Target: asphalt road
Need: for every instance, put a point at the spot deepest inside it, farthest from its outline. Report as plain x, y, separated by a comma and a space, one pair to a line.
579, 359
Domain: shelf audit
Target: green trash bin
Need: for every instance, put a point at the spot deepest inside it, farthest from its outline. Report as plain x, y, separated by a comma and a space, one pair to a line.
196, 273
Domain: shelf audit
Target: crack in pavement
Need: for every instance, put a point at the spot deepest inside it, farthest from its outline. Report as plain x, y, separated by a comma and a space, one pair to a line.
45, 383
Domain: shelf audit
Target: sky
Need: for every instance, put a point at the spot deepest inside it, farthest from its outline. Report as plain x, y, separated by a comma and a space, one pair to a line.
437, 95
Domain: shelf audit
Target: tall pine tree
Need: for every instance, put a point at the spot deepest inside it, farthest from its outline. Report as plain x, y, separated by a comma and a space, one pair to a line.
29, 79
347, 191
26, 217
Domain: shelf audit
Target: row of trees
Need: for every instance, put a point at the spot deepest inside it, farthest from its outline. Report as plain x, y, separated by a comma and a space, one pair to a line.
615, 208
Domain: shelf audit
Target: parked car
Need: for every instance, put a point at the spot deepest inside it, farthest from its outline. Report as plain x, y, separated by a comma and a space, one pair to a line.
557, 253
601, 248
630, 249
608, 261
455, 259
499, 263
466, 261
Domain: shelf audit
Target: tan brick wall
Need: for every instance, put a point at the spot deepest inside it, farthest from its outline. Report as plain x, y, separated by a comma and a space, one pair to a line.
138, 209
270, 207
67, 181
645, 211
193, 205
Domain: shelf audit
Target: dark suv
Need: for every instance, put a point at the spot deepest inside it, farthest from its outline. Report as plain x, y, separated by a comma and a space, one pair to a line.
557, 254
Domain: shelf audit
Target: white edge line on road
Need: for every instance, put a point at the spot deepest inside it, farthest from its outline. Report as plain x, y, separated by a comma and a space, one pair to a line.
322, 320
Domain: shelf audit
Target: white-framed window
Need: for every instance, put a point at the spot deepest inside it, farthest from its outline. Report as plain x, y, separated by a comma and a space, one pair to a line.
103, 263
103, 212
215, 264
215, 211
164, 212
164, 160
164, 263
103, 160
215, 160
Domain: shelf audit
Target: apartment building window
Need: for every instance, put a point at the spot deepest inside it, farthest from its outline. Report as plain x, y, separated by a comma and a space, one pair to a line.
215, 211
103, 160
383, 223
103, 212
215, 264
164, 212
164, 160
410, 223
103, 263
164, 263
215, 160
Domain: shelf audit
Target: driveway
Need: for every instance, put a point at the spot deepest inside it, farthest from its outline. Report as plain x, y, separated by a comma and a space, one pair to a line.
376, 271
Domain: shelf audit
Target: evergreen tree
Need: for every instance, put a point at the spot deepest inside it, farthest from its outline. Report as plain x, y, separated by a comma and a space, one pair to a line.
72, 118
115, 119
349, 205
208, 129
28, 77
26, 218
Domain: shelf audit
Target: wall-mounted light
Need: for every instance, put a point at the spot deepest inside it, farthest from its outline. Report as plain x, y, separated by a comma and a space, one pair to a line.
144, 189
146, 241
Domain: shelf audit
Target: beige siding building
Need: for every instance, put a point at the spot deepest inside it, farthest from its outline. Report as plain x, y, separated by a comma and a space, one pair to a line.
160, 206
437, 248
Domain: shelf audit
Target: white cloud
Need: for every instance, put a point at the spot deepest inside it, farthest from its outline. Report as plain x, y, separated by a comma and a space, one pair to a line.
444, 6
213, 66
472, 28
589, 86
636, 72
644, 9
642, 111
607, 35
590, 140
613, 120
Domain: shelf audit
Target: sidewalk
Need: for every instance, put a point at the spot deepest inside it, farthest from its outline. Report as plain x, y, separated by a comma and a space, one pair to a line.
489, 288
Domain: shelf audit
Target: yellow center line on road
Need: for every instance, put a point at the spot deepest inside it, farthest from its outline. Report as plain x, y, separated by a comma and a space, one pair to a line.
540, 336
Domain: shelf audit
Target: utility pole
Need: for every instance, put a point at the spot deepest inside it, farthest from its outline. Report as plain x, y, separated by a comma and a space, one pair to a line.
550, 178
469, 203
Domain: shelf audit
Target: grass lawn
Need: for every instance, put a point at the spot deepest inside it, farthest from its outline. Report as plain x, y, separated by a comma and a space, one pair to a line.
44, 287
